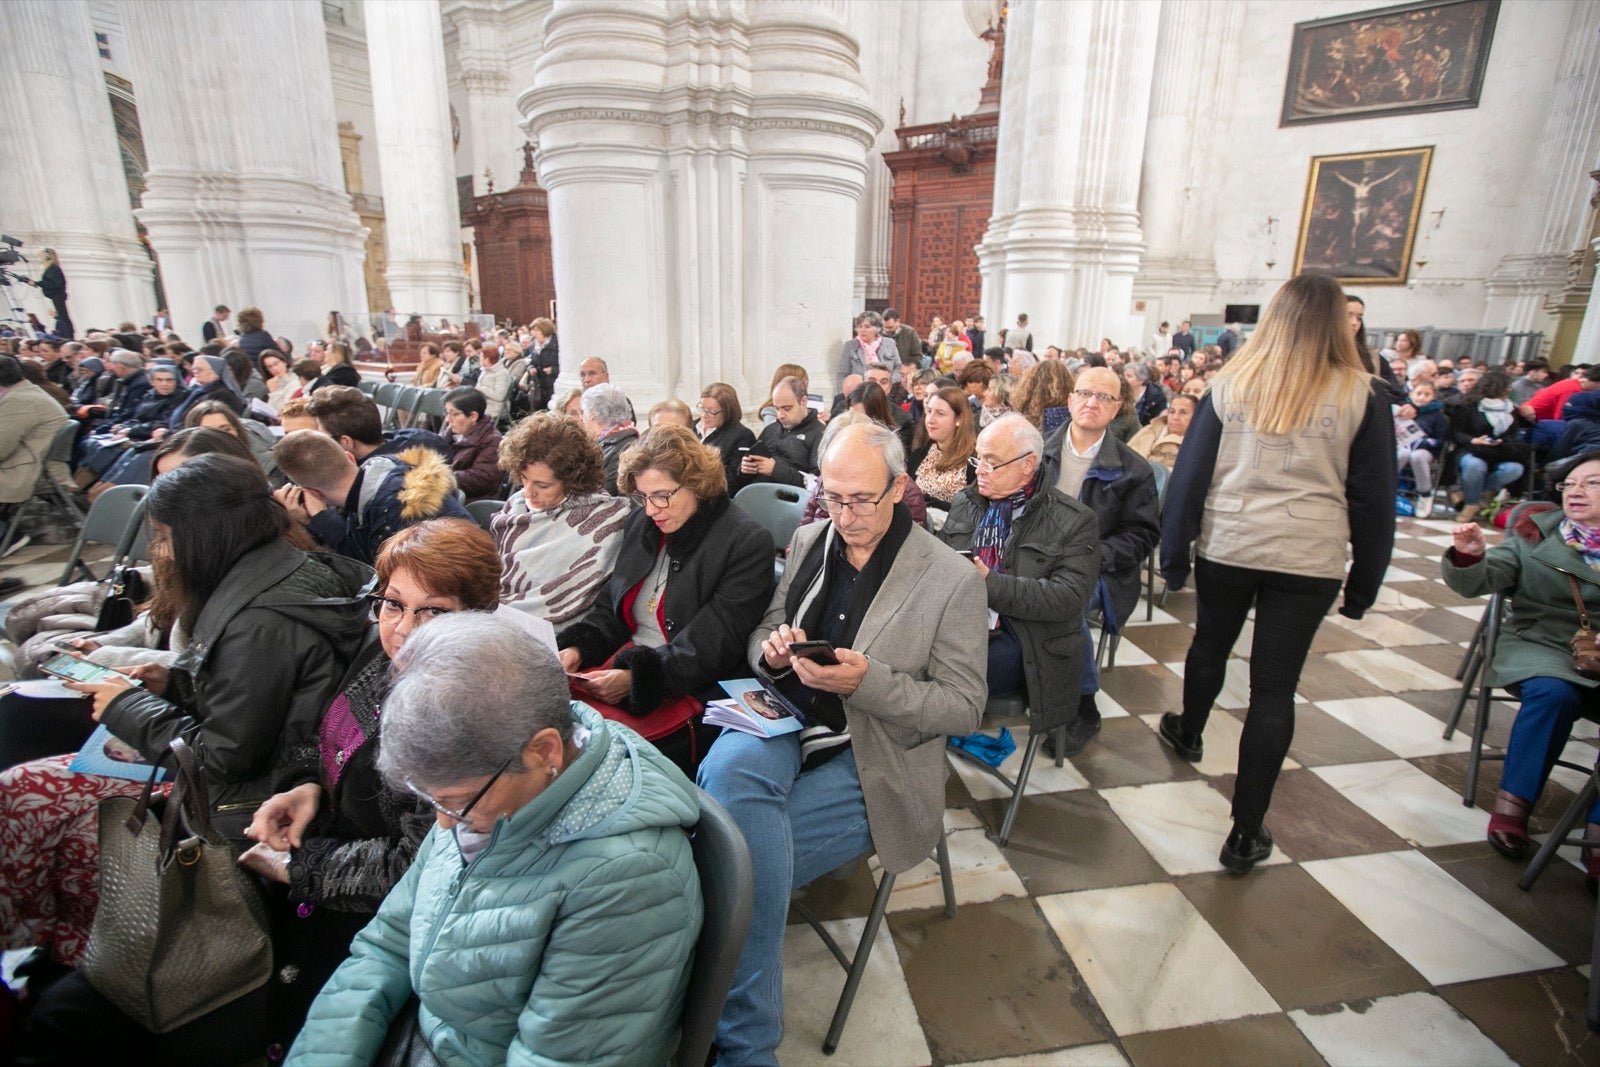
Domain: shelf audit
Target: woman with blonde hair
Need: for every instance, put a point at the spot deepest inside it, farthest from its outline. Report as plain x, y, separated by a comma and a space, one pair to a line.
52, 284
1305, 471
336, 365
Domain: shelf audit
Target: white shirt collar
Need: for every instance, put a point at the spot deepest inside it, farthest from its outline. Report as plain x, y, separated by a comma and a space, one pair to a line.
1089, 453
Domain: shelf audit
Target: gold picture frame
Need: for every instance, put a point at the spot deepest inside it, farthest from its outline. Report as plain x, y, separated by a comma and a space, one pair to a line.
1359, 221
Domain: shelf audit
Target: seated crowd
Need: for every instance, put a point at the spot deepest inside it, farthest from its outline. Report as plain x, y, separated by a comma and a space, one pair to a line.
508, 858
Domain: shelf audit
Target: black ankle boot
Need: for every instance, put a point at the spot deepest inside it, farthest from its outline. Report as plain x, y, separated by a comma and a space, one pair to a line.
1243, 850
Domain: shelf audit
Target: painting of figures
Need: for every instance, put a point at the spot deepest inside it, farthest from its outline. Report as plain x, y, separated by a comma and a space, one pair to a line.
1360, 215
1391, 61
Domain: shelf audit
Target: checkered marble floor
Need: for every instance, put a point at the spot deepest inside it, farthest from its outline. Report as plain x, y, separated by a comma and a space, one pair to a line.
1383, 931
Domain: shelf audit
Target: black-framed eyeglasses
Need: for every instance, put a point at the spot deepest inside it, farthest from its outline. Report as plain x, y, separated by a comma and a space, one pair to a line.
860, 508
715, 413
461, 816
388, 609
990, 466
658, 500
1090, 397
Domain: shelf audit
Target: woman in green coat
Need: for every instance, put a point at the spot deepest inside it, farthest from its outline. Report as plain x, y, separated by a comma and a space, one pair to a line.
1538, 563
551, 914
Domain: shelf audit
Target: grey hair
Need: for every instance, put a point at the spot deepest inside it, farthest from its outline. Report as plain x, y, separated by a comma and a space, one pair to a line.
879, 438
1141, 370
1022, 431
442, 725
870, 317
880, 365
1004, 388
606, 404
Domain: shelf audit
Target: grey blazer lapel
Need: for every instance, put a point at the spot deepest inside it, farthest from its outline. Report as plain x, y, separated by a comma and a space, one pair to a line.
898, 585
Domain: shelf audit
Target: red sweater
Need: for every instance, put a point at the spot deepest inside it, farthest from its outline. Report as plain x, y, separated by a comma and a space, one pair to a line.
1548, 402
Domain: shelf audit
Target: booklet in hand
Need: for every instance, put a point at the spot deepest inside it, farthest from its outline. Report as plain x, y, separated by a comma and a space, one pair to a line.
755, 709
105, 755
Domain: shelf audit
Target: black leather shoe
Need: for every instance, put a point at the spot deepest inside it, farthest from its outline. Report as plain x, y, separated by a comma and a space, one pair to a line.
1241, 852
1171, 731
1079, 734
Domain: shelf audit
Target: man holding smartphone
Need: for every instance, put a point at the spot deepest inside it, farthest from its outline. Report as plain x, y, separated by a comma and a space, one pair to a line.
904, 620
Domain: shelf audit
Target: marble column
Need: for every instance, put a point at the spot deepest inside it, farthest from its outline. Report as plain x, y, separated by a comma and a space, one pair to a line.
888, 35
72, 197
1189, 102
1556, 195
244, 200
704, 164
492, 139
416, 156
1587, 349
1064, 242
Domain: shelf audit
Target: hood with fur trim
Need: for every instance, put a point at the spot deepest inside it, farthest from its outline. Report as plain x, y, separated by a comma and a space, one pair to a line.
427, 484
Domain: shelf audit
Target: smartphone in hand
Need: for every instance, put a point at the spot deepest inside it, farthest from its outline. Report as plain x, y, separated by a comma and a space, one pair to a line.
818, 652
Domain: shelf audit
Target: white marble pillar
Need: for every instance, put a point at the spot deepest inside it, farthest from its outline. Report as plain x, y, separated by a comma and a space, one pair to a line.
1556, 197
1189, 102
491, 135
1587, 350
411, 109
1064, 242
244, 200
704, 163
888, 36
71, 196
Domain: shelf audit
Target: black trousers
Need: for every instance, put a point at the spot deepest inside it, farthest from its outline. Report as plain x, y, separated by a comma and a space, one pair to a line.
64, 328
1289, 608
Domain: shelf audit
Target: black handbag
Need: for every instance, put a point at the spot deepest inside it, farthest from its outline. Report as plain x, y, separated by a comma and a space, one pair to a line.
124, 592
180, 930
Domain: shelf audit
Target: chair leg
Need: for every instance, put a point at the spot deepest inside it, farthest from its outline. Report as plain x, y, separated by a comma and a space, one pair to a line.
1061, 746
1594, 976
858, 966
1021, 785
1558, 835
946, 877
1150, 588
1100, 647
11, 529
1480, 726
1474, 649
1469, 678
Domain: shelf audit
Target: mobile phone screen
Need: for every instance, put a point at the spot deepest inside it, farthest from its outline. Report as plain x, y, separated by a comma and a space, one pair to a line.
815, 651
77, 670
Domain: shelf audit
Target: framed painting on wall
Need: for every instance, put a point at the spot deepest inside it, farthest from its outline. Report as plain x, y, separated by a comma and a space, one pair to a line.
1426, 56
1360, 215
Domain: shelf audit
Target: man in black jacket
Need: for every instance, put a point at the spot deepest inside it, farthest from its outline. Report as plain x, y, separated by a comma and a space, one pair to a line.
786, 450
1084, 460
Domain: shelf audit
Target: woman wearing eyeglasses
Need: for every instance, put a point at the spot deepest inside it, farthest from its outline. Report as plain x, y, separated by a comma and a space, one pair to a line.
1547, 561
691, 582
1288, 465
551, 913
722, 427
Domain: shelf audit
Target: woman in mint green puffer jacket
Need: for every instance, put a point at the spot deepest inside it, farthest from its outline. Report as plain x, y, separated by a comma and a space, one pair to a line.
550, 917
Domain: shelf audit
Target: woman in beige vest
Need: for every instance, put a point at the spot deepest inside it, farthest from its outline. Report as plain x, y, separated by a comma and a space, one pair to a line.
1289, 460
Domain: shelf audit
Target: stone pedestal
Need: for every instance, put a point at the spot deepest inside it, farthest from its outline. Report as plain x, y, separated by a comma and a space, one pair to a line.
244, 199
1064, 243
422, 220
703, 165
61, 170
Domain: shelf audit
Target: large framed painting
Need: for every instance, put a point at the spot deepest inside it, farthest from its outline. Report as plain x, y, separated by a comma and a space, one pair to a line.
1360, 216
1426, 56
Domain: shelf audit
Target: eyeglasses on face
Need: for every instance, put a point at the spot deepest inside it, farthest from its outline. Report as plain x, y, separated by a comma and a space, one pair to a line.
715, 413
1588, 485
863, 509
388, 609
461, 816
1087, 397
655, 500
989, 466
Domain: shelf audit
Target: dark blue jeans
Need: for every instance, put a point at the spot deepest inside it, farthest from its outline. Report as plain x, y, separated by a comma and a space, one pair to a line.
1544, 723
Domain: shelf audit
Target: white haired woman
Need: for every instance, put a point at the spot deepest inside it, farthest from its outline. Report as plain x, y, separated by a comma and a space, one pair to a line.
551, 913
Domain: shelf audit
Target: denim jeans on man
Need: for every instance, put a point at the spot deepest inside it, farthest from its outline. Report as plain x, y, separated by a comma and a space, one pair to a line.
799, 827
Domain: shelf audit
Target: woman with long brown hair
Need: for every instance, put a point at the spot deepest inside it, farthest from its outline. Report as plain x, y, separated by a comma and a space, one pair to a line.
1305, 470
946, 438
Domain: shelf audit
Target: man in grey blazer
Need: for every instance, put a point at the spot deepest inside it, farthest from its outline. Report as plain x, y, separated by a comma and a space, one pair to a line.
867, 346
906, 619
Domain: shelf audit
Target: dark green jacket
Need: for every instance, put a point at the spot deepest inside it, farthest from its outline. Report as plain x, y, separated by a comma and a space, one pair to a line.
1537, 640
1050, 565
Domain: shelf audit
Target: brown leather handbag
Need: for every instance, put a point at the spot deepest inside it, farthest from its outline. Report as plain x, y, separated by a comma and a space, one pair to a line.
1585, 647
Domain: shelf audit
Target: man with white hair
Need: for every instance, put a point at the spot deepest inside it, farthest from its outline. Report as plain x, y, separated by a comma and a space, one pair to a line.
903, 619
1039, 553
607, 414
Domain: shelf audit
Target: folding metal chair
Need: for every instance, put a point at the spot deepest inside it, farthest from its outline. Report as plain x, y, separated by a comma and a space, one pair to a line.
113, 519
1012, 705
